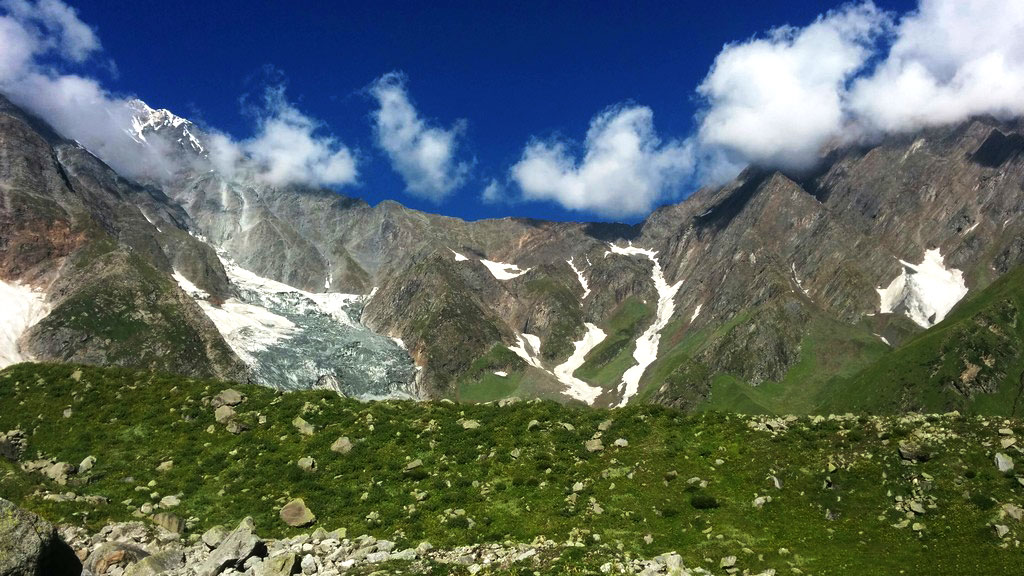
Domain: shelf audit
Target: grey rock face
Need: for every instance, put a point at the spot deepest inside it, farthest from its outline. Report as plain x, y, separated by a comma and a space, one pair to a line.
29, 546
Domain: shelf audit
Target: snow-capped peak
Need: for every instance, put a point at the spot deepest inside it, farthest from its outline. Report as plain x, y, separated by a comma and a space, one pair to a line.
146, 119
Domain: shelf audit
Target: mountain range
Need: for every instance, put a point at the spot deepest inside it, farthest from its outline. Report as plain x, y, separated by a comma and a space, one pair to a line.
886, 279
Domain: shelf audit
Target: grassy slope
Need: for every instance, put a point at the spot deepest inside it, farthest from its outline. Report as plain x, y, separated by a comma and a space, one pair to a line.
986, 328
515, 483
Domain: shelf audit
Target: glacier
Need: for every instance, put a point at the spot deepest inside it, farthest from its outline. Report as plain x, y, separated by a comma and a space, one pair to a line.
292, 339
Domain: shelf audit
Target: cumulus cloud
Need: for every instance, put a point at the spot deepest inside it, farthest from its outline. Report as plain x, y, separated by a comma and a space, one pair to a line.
949, 60
287, 147
625, 168
776, 100
37, 36
424, 155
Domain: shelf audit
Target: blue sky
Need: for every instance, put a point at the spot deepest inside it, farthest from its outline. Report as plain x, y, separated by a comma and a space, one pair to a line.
511, 70
560, 110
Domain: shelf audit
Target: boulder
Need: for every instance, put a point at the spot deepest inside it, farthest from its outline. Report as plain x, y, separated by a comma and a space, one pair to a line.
159, 563
29, 545
913, 452
280, 565
165, 466
296, 514
170, 501
59, 472
304, 428
307, 464
169, 522
1003, 462
12, 444
342, 445
87, 464
470, 424
593, 445
224, 414
113, 554
236, 548
229, 397
417, 463
214, 536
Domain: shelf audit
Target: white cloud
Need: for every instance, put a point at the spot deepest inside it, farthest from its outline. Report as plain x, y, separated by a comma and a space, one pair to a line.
625, 169
949, 60
493, 193
423, 155
56, 26
288, 149
776, 100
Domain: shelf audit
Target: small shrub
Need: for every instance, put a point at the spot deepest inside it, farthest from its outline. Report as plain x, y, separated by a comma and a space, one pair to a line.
704, 502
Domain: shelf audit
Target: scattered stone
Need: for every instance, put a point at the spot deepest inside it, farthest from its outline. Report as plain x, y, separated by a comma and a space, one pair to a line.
577, 487
604, 426
621, 443
1005, 432
917, 527
916, 507
296, 514
417, 463
307, 464
470, 424
342, 445
1001, 530
67, 412
169, 502
727, 562
30, 545
229, 397
533, 424
1003, 462
593, 445
304, 428
165, 466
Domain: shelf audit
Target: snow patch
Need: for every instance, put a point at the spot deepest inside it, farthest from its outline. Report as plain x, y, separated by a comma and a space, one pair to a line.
503, 271
399, 341
458, 257
528, 348
579, 276
22, 307
696, 312
577, 388
799, 284
501, 374
925, 292
882, 338
647, 344
971, 229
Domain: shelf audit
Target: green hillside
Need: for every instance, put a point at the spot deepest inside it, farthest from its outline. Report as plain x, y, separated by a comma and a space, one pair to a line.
808, 495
